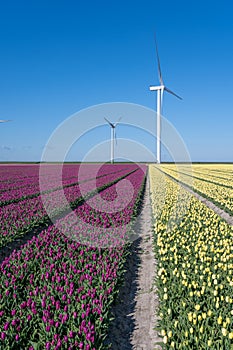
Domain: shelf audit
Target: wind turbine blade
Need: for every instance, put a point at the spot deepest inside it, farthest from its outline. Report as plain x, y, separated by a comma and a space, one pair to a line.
111, 124
158, 60
171, 92
118, 121
4, 121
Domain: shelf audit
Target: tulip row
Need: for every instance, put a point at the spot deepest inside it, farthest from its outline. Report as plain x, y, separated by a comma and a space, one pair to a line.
13, 173
193, 247
32, 187
15, 176
16, 219
222, 174
56, 292
218, 191
110, 212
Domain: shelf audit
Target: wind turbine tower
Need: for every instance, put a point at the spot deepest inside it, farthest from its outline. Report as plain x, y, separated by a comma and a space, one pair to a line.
113, 136
160, 90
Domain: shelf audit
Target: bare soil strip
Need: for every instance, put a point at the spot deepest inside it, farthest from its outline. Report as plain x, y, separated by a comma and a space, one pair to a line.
135, 311
144, 336
225, 216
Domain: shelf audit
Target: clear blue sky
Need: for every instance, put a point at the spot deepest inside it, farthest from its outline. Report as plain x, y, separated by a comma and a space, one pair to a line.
58, 57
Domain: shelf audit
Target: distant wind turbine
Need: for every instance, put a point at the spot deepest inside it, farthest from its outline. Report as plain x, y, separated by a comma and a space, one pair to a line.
160, 89
5, 121
113, 136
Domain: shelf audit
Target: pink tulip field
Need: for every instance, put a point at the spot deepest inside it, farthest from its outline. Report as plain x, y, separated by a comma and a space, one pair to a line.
56, 291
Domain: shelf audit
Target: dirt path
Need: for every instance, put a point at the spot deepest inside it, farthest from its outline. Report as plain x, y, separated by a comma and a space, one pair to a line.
135, 313
144, 336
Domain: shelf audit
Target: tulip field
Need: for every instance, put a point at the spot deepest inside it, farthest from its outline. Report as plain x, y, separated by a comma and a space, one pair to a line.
55, 292
20, 211
57, 288
215, 182
194, 250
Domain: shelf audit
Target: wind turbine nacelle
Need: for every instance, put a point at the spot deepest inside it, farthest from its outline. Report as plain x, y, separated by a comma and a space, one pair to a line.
155, 88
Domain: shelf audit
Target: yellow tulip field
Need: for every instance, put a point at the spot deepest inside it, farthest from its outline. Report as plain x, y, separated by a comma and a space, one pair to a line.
214, 182
194, 251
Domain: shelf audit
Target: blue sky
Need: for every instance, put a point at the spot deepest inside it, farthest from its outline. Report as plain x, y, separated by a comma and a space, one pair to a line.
59, 57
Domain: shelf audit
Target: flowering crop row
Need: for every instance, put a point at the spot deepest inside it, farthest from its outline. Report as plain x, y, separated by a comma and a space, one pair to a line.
206, 173
219, 193
55, 292
220, 173
12, 173
15, 176
28, 190
109, 212
31, 188
18, 218
194, 250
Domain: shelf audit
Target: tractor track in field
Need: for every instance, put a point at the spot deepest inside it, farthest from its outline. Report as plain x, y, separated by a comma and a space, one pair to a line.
220, 212
134, 312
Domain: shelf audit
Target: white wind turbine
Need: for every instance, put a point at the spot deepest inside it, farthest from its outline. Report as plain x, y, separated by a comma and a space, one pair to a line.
4, 121
160, 89
113, 136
